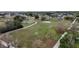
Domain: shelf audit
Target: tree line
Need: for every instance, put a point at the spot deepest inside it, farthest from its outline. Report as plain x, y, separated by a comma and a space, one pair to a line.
12, 25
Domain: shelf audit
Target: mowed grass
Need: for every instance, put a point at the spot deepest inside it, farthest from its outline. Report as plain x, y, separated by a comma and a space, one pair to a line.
39, 34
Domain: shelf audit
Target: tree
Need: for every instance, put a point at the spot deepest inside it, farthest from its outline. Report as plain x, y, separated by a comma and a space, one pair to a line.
2, 29
69, 18
60, 29
19, 18
10, 25
43, 18
17, 21
36, 16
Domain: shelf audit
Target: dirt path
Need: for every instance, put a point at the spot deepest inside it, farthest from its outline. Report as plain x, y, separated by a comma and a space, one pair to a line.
5, 43
64, 34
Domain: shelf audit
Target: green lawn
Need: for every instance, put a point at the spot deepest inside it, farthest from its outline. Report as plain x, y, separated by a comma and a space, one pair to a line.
39, 35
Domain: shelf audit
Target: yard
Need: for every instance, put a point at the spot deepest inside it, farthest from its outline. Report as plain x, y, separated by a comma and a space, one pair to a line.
40, 35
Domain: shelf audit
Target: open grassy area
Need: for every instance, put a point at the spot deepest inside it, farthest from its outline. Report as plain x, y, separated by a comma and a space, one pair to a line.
39, 35
76, 44
77, 41
27, 24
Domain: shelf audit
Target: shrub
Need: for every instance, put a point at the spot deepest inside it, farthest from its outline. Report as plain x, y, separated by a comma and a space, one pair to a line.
69, 18
36, 16
60, 29
43, 18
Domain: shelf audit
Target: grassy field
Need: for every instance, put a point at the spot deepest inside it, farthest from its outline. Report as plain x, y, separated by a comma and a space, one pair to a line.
76, 44
27, 24
77, 41
39, 35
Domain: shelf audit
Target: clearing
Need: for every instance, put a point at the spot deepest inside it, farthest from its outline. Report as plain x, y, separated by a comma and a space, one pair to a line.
40, 35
